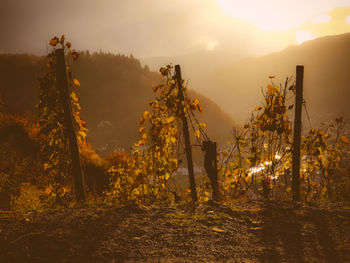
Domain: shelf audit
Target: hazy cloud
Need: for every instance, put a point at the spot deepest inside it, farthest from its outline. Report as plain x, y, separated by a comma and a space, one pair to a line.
142, 27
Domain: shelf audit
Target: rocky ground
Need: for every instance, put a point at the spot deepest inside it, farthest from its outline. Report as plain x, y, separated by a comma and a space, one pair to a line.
245, 232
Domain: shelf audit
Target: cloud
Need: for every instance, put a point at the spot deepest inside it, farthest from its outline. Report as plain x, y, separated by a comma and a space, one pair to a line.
141, 27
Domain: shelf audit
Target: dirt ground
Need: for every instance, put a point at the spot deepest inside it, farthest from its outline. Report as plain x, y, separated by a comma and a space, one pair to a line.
245, 232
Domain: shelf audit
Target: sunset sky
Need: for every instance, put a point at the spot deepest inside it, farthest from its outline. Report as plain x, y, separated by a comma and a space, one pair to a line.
148, 28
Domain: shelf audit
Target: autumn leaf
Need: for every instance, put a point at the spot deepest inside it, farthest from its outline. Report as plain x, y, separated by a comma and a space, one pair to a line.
257, 108
144, 117
48, 190
197, 133
164, 71
74, 96
54, 41
170, 119
155, 88
256, 228
344, 140
82, 134
46, 166
195, 102
75, 55
76, 82
339, 120
142, 129
62, 39
219, 230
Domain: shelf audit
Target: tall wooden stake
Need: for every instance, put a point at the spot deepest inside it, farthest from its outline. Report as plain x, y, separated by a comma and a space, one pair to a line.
297, 134
186, 134
63, 87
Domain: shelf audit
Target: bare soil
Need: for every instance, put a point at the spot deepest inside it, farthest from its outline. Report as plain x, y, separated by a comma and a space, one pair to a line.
243, 232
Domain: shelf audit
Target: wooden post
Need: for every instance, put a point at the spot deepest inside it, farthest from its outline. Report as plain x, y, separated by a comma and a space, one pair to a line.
63, 87
297, 134
186, 134
210, 165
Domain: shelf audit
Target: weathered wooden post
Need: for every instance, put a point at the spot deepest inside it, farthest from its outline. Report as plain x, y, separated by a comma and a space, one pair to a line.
210, 165
186, 134
62, 83
297, 134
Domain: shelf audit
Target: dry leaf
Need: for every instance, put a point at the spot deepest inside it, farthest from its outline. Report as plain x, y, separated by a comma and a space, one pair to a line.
54, 41
219, 230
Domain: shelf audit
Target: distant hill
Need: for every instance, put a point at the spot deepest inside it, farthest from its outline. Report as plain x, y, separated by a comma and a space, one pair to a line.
115, 90
326, 82
196, 66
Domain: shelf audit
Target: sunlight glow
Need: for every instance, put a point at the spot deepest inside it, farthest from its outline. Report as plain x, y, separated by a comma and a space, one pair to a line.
277, 156
280, 14
207, 42
263, 166
255, 170
348, 19
321, 19
303, 35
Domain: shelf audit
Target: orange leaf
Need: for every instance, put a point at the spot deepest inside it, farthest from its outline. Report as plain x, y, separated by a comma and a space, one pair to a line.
54, 41
62, 39
344, 140
76, 82
75, 55
48, 190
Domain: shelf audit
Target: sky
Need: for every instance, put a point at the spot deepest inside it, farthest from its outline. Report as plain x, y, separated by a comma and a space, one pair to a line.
147, 28
279, 14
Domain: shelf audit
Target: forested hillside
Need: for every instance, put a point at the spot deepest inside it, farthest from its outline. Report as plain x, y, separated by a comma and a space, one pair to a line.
115, 90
